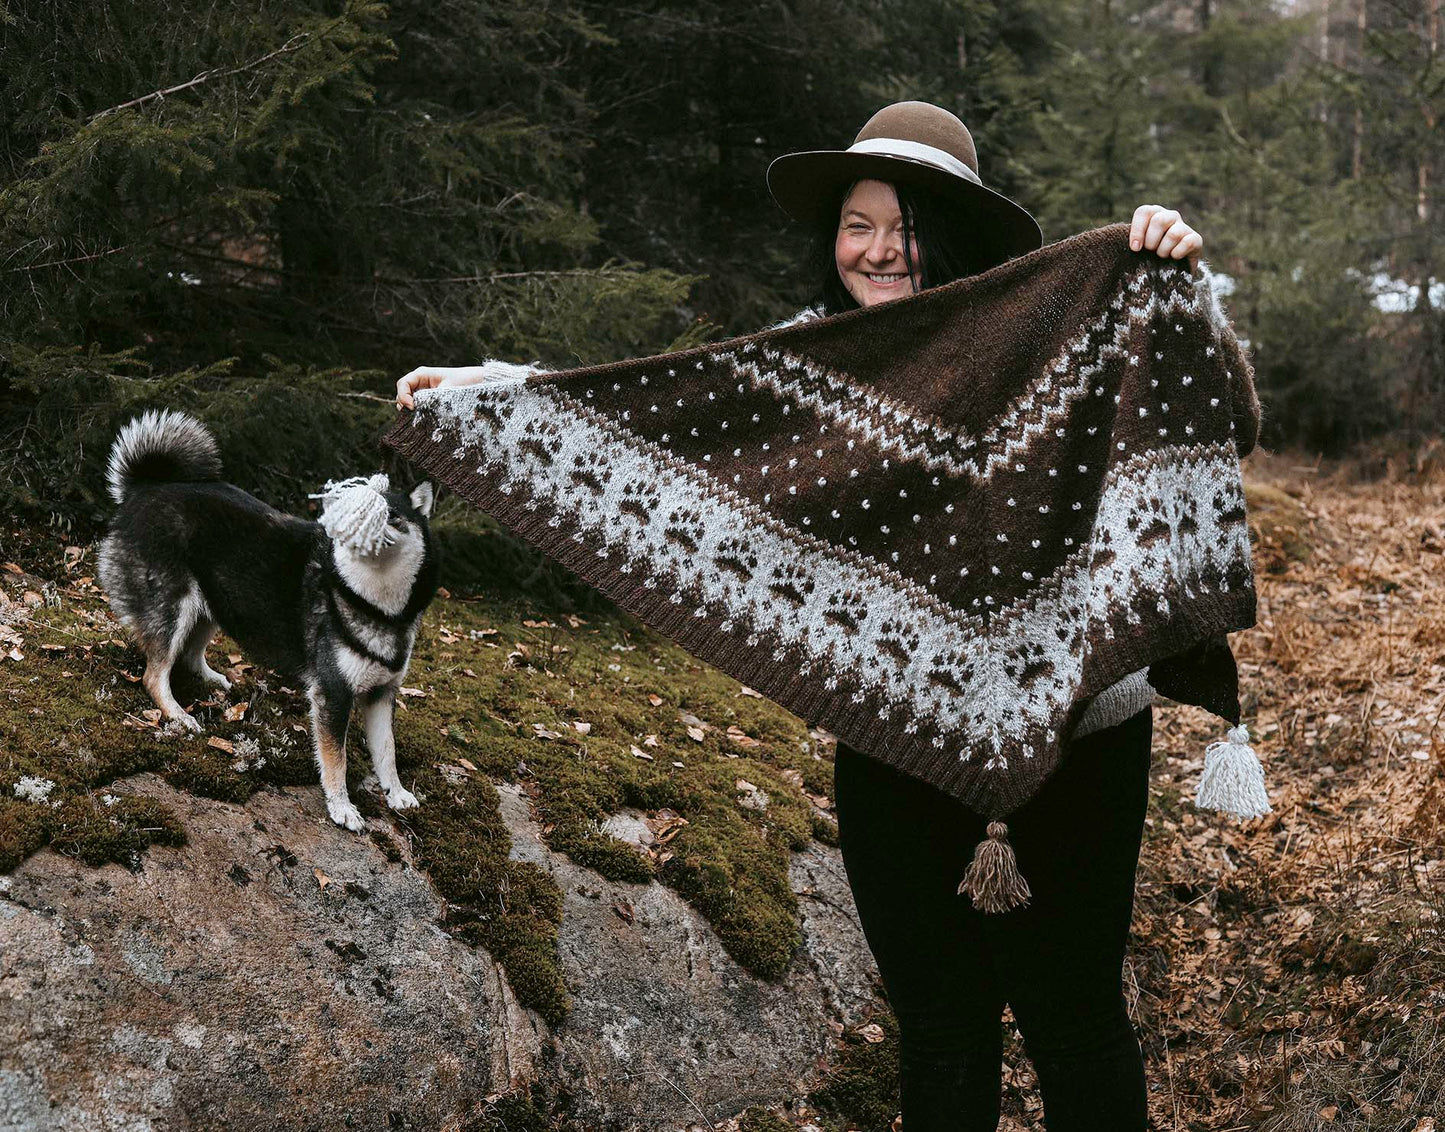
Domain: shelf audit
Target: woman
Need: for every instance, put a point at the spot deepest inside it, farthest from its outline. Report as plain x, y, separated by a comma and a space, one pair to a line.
901, 210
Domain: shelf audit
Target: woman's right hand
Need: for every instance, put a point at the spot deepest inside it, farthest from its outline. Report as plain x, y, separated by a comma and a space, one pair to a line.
430, 377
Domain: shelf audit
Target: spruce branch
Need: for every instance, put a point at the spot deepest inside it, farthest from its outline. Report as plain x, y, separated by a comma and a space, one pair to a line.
295, 43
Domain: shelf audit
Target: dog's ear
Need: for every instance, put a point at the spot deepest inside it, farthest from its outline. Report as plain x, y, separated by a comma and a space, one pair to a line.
422, 498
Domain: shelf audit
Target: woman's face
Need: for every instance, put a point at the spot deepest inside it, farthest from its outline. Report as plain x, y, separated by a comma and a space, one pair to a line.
869, 247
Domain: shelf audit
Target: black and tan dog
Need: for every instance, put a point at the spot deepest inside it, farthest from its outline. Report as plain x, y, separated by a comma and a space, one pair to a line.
187, 554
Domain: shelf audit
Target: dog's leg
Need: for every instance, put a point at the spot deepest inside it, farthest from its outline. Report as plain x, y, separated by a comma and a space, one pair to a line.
377, 709
330, 714
161, 658
193, 655
157, 681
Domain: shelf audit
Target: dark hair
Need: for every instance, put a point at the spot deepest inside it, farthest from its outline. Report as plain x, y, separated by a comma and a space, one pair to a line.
948, 246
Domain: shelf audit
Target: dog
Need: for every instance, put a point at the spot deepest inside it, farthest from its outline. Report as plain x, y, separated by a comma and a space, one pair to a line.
333, 604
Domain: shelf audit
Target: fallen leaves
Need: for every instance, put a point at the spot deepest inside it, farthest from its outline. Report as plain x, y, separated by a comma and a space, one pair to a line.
321, 878
453, 773
638, 752
216, 741
665, 825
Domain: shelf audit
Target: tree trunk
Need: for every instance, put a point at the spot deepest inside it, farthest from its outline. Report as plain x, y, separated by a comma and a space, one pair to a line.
1356, 152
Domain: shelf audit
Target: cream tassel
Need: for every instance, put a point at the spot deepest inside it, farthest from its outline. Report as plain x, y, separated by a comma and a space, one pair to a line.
354, 512
992, 880
1233, 780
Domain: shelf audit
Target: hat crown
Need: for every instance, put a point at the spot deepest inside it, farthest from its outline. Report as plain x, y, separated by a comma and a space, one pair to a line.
924, 124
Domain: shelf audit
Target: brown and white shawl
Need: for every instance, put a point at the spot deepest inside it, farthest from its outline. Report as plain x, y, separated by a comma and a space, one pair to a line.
936, 527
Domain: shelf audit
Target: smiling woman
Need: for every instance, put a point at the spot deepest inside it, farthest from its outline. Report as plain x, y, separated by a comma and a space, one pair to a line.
901, 210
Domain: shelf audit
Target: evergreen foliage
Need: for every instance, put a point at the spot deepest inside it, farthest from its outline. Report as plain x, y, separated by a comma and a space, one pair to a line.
309, 197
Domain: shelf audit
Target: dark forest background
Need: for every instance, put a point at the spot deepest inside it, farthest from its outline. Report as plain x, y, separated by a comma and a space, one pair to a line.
268, 210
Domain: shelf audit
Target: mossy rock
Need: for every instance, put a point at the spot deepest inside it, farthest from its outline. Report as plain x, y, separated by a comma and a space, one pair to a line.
1281, 529
587, 712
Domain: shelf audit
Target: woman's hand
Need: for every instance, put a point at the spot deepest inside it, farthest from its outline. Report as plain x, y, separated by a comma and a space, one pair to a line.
429, 377
1162, 230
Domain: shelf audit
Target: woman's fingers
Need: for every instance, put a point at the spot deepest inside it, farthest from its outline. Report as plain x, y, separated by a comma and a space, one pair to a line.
1189, 245
1163, 230
1159, 223
1142, 215
420, 378
1175, 233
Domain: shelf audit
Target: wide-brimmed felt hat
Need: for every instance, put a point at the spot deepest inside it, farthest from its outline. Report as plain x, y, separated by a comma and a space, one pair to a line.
913, 143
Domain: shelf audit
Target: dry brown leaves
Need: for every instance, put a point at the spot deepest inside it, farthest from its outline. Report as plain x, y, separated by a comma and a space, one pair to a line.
1254, 941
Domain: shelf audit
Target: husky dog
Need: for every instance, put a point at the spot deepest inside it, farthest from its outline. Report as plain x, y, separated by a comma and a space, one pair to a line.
334, 604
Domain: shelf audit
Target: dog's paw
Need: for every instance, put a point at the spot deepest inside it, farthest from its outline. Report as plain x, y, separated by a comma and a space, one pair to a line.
401, 799
344, 813
188, 721
214, 678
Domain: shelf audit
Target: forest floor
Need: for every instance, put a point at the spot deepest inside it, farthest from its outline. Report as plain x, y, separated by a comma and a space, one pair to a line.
1289, 972
1286, 973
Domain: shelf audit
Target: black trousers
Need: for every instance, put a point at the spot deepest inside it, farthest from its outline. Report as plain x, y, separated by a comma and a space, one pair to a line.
948, 970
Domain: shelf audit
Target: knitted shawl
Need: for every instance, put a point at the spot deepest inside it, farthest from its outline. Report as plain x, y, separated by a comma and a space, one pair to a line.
936, 527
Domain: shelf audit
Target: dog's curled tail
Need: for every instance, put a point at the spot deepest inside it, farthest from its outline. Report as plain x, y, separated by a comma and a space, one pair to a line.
162, 447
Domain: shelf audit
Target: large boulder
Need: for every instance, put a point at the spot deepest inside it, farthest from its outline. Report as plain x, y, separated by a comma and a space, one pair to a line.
277, 971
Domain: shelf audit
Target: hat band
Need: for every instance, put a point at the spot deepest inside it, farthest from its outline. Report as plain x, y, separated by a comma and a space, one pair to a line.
916, 151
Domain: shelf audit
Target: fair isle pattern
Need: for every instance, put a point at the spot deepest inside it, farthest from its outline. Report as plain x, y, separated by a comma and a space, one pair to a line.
936, 527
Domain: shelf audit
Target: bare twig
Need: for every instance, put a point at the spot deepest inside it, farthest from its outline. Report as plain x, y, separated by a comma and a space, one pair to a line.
692, 1102
66, 262
295, 43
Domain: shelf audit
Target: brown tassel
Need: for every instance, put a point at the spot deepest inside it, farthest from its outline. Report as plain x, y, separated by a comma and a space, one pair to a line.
992, 880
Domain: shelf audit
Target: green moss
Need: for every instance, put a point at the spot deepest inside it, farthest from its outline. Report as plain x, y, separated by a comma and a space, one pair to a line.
511, 908
1279, 526
207, 772
387, 844
757, 1119
540, 1106
22, 831
860, 1091
96, 832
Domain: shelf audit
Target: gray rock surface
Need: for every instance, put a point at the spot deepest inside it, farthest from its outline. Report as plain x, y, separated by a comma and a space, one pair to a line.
228, 984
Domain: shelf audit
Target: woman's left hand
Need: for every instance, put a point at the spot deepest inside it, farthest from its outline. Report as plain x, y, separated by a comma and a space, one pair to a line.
1162, 230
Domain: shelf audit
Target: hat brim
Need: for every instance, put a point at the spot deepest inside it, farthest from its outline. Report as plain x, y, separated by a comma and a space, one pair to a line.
804, 185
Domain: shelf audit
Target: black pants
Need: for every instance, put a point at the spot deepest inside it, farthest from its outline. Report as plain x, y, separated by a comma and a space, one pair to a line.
948, 970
